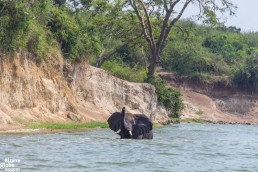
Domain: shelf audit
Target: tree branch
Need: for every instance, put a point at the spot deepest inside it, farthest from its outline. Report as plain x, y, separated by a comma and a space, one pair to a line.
142, 22
105, 47
166, 5
144, 59
2, 8
104, 58
165, 25
173, 4
148, 23
172, 23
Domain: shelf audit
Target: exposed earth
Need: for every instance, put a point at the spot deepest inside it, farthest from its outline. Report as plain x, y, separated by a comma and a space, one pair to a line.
58, 91
218, 104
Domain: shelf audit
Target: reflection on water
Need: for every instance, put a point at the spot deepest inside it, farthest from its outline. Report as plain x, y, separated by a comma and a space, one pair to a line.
184, 147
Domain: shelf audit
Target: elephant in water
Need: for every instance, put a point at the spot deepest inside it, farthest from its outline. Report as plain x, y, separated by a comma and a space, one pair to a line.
130, 126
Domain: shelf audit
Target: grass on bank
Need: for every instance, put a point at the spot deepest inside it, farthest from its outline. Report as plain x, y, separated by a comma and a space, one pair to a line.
74, 126
189, 120
69, 125
77, 125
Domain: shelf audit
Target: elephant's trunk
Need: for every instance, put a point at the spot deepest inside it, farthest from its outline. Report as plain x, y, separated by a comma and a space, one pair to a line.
123, 119
123, 111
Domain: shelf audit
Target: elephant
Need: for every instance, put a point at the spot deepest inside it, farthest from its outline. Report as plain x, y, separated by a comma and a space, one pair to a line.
131, 126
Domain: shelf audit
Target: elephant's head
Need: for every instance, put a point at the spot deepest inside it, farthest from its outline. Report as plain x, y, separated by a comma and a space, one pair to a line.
118, 123
129, 125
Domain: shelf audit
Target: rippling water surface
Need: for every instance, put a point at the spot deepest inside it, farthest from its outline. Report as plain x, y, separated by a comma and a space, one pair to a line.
184, 147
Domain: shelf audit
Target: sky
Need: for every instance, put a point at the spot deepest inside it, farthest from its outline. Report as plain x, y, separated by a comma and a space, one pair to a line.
246, 15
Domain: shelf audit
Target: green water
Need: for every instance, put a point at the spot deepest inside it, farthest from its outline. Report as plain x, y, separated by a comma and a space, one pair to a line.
184, 147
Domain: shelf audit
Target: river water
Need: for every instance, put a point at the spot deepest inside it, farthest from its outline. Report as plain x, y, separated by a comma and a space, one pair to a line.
183, 147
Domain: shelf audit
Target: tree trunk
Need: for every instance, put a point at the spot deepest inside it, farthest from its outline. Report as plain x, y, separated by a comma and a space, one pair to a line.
152, 67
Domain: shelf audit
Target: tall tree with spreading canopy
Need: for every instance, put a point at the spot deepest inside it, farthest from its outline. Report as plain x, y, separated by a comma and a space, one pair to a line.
158, 17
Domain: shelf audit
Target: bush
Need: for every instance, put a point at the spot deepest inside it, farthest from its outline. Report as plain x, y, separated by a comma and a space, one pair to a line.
230, 47
22, 26
169, 97
14, 22
246, 76
40, 27
123, 71
75, 36
185, 60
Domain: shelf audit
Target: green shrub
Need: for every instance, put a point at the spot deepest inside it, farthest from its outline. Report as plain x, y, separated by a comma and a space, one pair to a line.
229, 47
23, 26
246, 76
75, 36
14, 22
170, 98
187, 58
41, 26
124, 71
198, 50
199, 112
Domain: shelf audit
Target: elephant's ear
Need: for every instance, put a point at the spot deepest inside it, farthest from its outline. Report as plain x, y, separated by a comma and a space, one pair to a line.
114, 121
142, 126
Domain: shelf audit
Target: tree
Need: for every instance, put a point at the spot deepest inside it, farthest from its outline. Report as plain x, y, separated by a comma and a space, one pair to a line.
118, 29
158, 17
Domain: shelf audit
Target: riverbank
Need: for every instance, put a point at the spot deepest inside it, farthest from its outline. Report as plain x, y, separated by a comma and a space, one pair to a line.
59, 127
61, 91
48, 128
53, 128
203, 121
78, 93
213, 102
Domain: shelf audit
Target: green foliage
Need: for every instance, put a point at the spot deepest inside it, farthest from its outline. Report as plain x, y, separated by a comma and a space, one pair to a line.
22, 26
116, 27
169, 97
189, 120
175, 120
75, 36
246, 75
194, 120
212, 54
40, 27
251, 39
86, 28
40, 42
231, 48
186, 59
122, 70
185, 54
199, 112
14, 22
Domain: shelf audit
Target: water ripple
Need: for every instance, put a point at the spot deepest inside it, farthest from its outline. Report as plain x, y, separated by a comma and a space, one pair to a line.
186, 148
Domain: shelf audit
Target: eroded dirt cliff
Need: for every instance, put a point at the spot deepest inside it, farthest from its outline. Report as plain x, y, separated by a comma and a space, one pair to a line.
214, 102
55, 91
